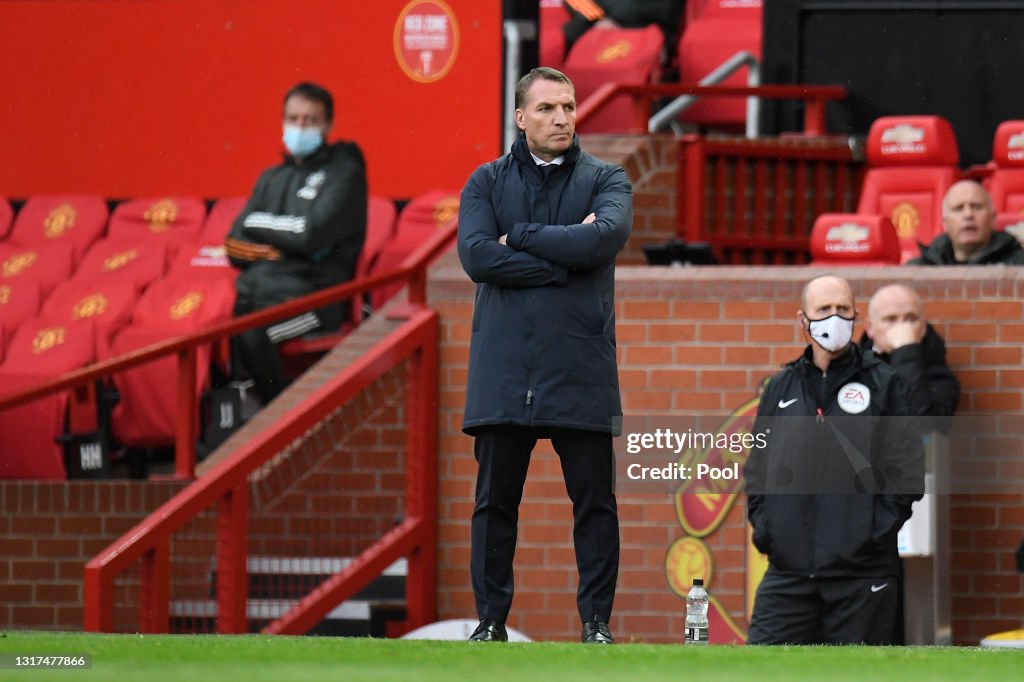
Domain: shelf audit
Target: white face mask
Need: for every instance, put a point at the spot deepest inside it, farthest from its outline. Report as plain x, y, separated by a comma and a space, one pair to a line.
832, 333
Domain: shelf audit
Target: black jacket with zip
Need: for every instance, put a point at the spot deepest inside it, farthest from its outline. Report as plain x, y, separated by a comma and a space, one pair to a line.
842, 465
1002, 249
542, 351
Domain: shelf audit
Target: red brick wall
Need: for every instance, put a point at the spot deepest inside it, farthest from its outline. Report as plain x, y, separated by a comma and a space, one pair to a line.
700, 339
695, 339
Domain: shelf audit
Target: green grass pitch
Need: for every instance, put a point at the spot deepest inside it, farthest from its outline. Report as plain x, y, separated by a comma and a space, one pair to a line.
188, 658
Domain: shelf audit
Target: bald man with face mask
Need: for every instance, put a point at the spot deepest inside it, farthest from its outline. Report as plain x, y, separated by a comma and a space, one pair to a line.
841, 466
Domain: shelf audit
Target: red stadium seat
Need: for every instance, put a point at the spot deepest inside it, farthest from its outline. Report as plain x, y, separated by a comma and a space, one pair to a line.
1012, 223
1006, 184
75, 220
123, 261
18, 302
420, 218
202, 260
222, 215
6, 217
45, 265
380, 229
623, 55
715, 31
146, 415
107, 302
852, 239
171, 221
40, 350
912, 161
553, 16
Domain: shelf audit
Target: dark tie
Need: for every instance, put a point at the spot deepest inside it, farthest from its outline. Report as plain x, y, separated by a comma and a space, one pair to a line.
548, 170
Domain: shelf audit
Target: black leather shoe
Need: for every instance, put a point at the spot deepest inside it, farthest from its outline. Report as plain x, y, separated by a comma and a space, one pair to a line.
597, 632
489, 630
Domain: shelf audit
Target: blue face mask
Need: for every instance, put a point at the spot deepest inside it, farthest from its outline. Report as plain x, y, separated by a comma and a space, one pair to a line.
302, 141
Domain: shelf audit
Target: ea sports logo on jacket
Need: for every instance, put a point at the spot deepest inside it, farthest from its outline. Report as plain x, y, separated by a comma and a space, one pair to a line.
854, 398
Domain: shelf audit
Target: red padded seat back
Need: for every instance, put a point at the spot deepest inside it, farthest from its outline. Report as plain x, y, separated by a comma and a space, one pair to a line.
911, 164
124, 261
852, 239
46, 265
77, 220
19, 301
715, 31
171, 221
621, 55
1006, 184
421, 217
222, 215
40, 350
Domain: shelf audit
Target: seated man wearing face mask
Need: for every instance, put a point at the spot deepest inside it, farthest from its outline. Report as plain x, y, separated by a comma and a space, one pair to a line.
301, 231
832, 486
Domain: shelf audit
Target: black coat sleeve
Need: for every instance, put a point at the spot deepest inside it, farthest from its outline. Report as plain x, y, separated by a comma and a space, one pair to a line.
932, 389
484, 259
755, 473
901, 465
584, 246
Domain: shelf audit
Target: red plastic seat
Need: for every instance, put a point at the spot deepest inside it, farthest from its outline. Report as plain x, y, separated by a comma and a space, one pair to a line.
622, 55
40, 350
420, 218
107, 302
715, 31
77, 220
6, 218
123, 261
18, 302
1012, 223
852, 239
912, 161
146, 415
171, 221
222, 215
1006, 184
45, 265
553, 16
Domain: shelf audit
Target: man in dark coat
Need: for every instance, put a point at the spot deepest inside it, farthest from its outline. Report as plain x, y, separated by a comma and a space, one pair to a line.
969, 238
835, 482
897, 331
539, 229
301, 231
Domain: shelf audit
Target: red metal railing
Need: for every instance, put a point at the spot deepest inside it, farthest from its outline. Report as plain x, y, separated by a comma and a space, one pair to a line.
755, 201
226, 487
814, 97
412, 271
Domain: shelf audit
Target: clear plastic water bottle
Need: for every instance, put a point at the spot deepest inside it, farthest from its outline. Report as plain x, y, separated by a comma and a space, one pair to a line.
696, 627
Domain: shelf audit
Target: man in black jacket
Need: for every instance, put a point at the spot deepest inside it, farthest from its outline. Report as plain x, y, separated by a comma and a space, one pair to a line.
970, 238
539, 229
301, 231
829, 492
896, 330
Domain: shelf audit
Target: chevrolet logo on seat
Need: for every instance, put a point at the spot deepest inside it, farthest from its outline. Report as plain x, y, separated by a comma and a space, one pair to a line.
847, 238
1015, 147
903, 139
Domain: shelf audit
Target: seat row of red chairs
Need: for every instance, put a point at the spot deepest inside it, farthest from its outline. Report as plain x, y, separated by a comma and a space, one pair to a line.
59, 313
911, 163
711, 32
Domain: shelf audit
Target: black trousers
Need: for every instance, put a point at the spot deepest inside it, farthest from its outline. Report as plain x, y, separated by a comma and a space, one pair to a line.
793, 609
588, 467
